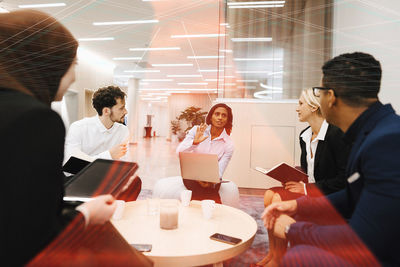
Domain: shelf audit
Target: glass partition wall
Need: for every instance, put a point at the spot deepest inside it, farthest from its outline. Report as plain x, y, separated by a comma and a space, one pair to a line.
273, 49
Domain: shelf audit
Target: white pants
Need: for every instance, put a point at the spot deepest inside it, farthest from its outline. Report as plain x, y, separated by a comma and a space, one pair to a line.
171, 187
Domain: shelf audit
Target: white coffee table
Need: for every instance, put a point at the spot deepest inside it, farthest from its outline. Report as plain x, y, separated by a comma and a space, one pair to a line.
190, 244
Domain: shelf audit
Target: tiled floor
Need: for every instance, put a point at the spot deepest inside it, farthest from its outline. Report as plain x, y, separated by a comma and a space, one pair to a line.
157, 159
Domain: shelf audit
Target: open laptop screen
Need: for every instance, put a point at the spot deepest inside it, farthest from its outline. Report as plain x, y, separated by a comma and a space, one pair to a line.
199, 167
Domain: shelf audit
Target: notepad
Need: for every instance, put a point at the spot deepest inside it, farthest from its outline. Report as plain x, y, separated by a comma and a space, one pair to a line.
284, 173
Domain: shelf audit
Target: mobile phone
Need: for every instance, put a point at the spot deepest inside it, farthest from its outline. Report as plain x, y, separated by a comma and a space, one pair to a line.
142, 247
226, 239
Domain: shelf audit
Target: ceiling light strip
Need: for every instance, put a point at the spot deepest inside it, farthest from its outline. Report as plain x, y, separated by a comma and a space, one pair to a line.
256, 3
198, 35
257, 6
173, 65
154, 48
252, 39
127, 22
42, 5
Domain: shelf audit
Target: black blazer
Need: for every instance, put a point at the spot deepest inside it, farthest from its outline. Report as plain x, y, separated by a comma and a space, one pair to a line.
32, 148
330, 161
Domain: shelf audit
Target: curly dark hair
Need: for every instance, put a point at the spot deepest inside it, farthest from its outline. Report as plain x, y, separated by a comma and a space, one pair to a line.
228, 125
355, 77
106, 97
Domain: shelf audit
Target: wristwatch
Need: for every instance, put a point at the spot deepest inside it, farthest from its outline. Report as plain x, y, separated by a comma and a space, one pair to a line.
287, 228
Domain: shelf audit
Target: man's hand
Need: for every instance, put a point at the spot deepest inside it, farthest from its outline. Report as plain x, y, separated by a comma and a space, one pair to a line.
118, 151
199, 136
100, 209
280, 225
295, 187
273, 211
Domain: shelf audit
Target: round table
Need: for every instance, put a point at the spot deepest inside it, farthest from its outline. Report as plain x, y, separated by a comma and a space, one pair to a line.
190, 243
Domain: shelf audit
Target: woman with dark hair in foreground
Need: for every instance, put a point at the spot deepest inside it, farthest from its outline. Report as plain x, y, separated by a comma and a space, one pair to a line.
210, 138
37, 65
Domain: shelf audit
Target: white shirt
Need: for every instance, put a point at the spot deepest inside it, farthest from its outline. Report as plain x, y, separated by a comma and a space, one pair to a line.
311, 146
89, 137
221, 146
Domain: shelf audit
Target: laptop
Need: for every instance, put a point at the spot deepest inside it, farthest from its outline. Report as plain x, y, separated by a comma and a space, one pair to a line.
199, 167
101, 176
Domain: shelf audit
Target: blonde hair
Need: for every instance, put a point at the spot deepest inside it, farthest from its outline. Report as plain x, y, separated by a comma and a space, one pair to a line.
312, 100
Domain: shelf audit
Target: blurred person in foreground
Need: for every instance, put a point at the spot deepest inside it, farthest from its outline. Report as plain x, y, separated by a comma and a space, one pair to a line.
357, 226
37, 65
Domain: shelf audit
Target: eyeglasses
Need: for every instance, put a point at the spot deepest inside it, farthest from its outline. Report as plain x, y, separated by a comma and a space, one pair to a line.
317, 90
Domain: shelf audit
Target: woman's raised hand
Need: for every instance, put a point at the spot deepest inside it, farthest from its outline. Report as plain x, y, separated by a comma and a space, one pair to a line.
199, 136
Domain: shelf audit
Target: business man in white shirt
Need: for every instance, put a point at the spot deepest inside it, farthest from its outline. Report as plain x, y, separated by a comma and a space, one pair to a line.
104, 135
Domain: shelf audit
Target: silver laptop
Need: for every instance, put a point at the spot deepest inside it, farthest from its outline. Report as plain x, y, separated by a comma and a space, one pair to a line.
199, 167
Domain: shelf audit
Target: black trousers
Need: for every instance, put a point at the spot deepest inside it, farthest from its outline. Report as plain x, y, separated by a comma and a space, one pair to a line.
200, 193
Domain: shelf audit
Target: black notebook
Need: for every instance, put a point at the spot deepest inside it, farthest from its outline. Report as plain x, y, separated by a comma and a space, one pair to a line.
101, 176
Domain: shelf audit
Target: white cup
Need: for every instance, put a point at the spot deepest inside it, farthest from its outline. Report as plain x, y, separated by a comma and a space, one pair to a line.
207, 207
186, 196
153, 206
119, 211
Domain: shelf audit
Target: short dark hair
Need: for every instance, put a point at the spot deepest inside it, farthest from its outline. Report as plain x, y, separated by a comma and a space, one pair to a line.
355, 77
228, 125
106, 97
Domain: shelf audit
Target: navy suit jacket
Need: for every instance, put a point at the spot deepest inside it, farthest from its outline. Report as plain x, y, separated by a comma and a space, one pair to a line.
371, 203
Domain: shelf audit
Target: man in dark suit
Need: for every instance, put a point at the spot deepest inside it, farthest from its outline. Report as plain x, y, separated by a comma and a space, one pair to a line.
358, 225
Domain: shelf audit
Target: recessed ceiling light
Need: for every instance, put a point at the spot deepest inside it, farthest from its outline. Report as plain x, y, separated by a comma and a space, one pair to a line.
127, 58
256, 3
210, 70
157, 80
184, 75
179, 92
225, 50
198, 35
204, 57
192, 83
154, 48
125, 22
42, 5
257, 6
173, 65
253, 39
141, 71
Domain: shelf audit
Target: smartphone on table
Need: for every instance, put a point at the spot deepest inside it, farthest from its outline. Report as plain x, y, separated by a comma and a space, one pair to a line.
226, 239
142, 247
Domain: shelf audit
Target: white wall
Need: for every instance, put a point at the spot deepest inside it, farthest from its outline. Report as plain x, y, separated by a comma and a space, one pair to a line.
179, 102
159, 120
264, 133
371, 26
92, 72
